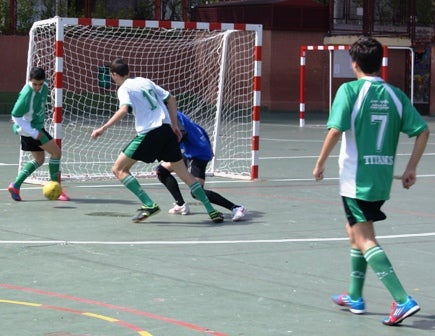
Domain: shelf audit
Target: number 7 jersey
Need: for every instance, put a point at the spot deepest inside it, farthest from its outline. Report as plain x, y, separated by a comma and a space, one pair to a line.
372, 114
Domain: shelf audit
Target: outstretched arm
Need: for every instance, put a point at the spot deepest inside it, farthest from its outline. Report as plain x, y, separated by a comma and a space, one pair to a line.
122, 111
328, 145
409, 176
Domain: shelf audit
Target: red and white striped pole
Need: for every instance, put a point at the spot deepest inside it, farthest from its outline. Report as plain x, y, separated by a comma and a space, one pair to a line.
58, 85
302, 55
385, 63
256, 107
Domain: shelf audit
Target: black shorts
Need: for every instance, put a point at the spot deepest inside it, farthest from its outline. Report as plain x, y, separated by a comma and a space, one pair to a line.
28, 144
359, 211
196, 167
160, 144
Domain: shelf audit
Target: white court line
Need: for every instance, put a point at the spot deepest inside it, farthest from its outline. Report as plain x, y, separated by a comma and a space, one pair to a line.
316, 156
210, 181
332, 178
203, 242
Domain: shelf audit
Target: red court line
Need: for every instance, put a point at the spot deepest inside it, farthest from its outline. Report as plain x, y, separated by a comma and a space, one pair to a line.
83, 313
112, 306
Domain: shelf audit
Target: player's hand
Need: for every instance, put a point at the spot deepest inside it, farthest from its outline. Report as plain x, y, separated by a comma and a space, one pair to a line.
408, 179
177, 132
97, 132
318, 172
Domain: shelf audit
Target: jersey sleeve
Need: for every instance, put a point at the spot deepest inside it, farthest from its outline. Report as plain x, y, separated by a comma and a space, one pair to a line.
24, 128
161, 92
22, 105
412, 121
124, 97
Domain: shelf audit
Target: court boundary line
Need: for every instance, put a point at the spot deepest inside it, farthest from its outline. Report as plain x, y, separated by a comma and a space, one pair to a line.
34, 187
203, 242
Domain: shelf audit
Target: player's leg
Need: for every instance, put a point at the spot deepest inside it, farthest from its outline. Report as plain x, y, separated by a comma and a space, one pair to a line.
55, 152
53, 149
164, 175
353, 299
197, 168
28, 144
358, 266
196, 189
362, 233
403, 305
121, 169
137, 149
170, 152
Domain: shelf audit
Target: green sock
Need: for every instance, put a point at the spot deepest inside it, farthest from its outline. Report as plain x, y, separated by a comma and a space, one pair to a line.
133, 185
53, 169
378, 261
199, 193
358, 267
25, 172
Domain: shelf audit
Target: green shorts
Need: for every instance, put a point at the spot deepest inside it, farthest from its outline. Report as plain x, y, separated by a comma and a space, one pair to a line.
160, 144
28, 144
359, 211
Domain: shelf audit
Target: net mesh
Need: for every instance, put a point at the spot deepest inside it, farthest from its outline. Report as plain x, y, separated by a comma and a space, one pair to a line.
209, 71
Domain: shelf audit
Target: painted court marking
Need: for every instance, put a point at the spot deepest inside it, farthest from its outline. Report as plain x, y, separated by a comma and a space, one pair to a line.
105, 305
204, 242
79, 312
130, 326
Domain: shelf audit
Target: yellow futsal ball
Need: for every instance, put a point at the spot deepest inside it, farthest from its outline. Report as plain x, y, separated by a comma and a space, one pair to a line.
52, 190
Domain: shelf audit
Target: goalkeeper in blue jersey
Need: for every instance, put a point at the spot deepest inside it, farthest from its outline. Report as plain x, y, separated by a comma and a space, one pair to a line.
28, 116
197, 152
368, 115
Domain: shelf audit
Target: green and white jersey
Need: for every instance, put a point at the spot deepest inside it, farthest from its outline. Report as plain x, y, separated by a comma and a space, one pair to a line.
372, 114
147, 101
29, 110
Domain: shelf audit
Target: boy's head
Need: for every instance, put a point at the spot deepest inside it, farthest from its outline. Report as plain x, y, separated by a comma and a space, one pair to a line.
119, 66
367, 52
37, 78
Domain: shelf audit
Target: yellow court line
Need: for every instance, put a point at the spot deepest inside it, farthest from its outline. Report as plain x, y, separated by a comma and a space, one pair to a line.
101, 317
22, 303
98, 316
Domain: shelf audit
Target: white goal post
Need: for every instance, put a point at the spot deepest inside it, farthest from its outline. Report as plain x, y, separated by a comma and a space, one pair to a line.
213, 69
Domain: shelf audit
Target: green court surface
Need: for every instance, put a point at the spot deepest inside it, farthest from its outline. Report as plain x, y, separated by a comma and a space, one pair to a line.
82, 268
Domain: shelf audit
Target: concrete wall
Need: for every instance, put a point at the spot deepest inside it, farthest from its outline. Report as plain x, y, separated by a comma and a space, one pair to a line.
13, 55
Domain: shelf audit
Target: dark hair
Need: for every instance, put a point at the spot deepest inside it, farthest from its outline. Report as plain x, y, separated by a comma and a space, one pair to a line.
37, 73
119, 66
367, 52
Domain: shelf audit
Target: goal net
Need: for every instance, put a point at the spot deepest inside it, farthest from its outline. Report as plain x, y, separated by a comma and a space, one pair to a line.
212, 69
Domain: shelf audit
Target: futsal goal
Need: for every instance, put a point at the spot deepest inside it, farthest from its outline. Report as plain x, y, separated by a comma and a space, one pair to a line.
340, 48
213, 69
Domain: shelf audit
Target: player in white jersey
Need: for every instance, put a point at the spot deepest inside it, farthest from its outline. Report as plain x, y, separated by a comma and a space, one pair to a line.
368, 115
155, 113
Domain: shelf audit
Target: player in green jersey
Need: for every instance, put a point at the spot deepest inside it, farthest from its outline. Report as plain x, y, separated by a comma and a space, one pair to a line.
28, 116
368, 115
